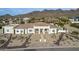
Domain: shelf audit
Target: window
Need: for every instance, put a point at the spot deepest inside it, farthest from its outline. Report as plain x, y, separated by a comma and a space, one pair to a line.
53, 31
30, 30
74, 19
46, 29
36, 30
78, 19
17, 31
21, 31
7, 30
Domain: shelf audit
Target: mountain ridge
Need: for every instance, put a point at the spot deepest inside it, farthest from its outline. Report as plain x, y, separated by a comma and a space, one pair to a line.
46, 13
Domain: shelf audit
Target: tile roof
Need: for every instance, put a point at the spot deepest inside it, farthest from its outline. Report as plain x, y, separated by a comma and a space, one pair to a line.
23, 26
30, 25
41, 24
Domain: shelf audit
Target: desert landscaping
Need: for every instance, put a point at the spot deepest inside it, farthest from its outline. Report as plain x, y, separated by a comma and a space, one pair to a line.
59, 40
69, 39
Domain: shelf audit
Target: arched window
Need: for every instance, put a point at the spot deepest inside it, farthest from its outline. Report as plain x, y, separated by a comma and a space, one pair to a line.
17, 31
7, 30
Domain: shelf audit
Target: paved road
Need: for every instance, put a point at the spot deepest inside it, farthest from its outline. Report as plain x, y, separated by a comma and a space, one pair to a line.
42, 49
54, 49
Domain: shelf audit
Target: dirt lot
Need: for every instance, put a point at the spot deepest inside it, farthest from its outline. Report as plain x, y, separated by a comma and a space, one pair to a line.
39, 40
0, 31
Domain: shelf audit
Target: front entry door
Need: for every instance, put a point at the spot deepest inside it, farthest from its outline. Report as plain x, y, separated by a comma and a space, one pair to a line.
41, 30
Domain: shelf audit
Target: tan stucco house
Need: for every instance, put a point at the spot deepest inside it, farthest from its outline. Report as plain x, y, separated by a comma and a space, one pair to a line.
74, 19
39, 27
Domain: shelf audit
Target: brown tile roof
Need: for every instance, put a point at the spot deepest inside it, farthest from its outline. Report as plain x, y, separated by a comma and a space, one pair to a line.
30, 25
23, 26
41, 24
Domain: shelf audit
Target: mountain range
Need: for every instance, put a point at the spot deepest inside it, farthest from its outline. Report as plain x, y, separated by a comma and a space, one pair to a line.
46, 13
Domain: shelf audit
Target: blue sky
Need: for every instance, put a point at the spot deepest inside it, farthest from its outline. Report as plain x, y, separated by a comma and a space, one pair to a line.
16, 11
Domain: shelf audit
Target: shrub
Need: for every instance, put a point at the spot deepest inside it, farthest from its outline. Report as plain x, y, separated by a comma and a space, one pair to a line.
75, 25
0, 26
60, 24
75, 33
2, 41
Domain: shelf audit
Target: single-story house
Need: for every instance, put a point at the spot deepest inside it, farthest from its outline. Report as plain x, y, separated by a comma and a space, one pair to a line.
74, 19
39, 27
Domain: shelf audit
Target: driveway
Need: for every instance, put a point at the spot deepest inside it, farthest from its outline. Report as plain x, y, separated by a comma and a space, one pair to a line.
42, 40
71, 28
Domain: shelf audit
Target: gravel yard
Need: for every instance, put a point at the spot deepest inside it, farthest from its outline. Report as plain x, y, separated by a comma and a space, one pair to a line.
40, 40
0, 31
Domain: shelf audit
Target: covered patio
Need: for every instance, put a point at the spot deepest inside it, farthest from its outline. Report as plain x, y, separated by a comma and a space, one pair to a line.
41, 29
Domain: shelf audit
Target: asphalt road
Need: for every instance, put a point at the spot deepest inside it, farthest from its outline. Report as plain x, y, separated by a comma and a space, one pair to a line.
54, 49
42, 49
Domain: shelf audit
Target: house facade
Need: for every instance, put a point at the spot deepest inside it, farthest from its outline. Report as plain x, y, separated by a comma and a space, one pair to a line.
29, 28
74, 19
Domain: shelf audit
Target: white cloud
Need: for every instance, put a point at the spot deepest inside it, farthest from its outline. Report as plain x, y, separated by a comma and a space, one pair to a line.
39, 3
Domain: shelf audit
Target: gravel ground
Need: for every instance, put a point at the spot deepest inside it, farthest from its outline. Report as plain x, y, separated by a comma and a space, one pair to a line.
40, 40
0, 31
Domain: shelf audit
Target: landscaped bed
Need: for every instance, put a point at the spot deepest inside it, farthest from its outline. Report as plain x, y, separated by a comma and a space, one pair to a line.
76, 25
3, 40
17, 40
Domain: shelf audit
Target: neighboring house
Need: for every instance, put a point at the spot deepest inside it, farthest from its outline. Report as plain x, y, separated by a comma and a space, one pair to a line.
14, 20
9, 28
18, 20
26, 19
39, 27
74, 19
7, 21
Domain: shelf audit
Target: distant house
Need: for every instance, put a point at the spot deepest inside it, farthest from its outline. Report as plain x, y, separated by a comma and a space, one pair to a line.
18, 20
29, 28
74, 19
8, 19
9, 28
25, 19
